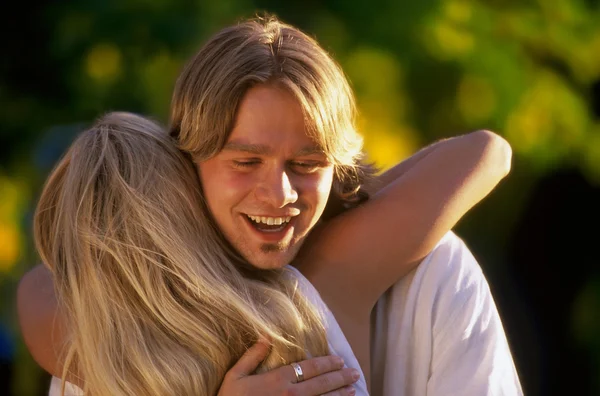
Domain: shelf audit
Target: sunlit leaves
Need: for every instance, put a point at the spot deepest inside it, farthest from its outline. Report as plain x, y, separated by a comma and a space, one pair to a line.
550, 121
12, 204
476, 99
157, 76
377, 78
103, 63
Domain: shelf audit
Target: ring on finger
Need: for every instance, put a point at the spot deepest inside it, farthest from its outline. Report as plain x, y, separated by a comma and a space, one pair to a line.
298, 372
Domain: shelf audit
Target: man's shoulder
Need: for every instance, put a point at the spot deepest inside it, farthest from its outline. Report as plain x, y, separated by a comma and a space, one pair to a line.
450, 242
451, 257
450, 279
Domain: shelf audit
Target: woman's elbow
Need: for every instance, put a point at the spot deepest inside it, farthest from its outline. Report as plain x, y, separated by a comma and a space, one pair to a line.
497, 152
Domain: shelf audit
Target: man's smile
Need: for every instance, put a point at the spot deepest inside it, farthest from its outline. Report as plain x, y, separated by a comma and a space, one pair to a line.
271, 229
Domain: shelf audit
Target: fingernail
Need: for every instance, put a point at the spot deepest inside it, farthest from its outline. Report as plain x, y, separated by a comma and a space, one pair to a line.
355, 375
339, 361
352, 391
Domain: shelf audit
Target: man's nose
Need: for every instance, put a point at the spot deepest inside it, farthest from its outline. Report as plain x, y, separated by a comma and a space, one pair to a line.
277, 189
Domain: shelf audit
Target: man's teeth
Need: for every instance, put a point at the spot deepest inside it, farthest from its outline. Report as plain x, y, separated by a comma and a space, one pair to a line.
270, 220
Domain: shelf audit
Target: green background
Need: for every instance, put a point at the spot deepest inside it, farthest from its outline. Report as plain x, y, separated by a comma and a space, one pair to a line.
422, 70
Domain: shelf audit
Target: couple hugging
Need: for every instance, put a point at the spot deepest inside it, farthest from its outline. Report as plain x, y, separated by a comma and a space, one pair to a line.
250, 249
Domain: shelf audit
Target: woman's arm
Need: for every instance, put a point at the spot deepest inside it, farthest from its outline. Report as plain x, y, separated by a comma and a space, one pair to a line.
39, 319
355, 257
375, 184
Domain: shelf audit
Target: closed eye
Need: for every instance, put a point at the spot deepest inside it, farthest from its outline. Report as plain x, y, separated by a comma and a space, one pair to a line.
306, 166
246, 163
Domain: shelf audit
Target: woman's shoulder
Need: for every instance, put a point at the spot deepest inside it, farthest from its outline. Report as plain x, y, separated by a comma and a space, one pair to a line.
305, 286
70, 389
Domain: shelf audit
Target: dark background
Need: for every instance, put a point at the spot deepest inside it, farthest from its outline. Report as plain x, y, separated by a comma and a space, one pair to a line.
422, 70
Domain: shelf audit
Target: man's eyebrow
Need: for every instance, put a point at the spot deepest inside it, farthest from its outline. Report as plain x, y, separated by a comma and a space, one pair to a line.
309, 150
258, 149
261, 149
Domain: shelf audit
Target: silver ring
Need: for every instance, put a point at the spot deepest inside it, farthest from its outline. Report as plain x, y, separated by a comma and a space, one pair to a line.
298, 372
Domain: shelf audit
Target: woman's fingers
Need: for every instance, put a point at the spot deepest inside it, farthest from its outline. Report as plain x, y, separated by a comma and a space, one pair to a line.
339, 381
314, 367
250, 360
321, 375
345, 391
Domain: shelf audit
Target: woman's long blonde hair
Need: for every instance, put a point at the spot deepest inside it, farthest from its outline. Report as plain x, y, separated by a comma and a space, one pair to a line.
154, 302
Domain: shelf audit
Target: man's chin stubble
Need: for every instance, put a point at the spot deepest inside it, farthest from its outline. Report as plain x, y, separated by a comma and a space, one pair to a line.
273, 247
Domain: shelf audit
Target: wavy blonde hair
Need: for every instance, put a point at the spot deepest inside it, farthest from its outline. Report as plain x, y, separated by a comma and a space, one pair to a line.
266, 51
154, 302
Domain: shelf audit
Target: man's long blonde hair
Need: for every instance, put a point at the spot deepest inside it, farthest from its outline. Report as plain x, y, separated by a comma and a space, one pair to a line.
154, 302
265, 50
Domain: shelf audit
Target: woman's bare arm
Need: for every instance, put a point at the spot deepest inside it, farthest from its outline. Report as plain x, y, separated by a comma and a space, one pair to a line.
355, 257
37, 309
375, 184
39, 319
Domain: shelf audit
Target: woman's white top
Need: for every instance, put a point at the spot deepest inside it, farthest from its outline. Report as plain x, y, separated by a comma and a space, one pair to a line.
338, 344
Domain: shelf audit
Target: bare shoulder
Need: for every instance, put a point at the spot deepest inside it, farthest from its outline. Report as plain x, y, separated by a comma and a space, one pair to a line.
34, 293
37, 308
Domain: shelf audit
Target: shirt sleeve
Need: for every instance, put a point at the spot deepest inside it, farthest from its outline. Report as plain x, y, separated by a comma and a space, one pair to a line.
70, 389
470, 354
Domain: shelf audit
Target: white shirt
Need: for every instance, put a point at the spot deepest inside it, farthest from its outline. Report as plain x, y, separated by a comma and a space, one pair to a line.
338, 344
437, 332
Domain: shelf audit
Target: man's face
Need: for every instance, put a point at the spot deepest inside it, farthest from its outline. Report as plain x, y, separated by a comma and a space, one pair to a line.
269, 185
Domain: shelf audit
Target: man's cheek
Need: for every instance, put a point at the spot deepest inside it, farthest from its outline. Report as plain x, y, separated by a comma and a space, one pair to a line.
236, 184
318, 186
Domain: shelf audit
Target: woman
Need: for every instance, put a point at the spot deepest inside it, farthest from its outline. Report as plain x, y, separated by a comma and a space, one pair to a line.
153, 300
439, 185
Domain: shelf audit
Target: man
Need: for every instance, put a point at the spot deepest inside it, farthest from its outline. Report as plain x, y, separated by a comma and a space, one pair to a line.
268, 118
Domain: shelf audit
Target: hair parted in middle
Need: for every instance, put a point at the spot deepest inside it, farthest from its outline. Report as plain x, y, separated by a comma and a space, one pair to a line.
266, 51
153, 301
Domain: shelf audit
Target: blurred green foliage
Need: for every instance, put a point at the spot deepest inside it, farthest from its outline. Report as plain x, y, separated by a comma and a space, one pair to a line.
422, 70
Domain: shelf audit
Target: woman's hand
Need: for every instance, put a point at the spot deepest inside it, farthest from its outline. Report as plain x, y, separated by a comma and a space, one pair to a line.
322, 376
